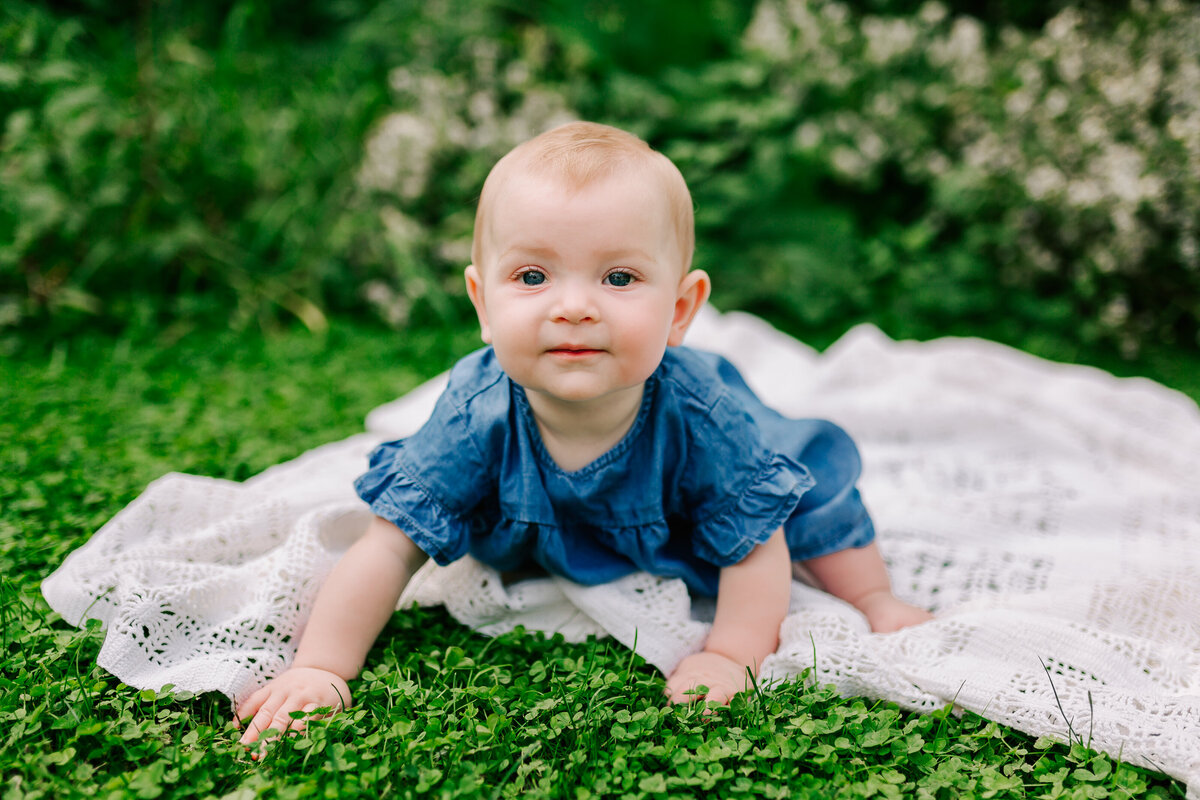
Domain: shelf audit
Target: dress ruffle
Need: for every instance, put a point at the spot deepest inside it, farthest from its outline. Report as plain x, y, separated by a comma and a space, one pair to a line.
728, 536
396, 496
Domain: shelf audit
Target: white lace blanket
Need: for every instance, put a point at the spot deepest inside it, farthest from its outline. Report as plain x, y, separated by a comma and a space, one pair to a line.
1049, 514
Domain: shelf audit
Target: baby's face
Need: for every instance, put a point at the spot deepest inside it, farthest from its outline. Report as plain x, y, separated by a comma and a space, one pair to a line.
578, 290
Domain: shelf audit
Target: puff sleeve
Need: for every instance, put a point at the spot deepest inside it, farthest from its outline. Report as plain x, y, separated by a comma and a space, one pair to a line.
439, 485
735, 489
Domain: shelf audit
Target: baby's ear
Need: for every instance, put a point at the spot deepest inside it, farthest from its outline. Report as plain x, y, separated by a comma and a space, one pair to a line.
693, 293
475, 292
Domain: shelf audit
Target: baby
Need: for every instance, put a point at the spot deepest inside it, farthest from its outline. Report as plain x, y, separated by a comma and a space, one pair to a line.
586, 441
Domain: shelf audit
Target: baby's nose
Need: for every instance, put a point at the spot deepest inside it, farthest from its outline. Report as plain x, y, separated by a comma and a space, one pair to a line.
575, 304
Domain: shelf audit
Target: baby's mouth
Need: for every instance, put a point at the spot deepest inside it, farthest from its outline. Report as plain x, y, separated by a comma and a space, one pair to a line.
574, 351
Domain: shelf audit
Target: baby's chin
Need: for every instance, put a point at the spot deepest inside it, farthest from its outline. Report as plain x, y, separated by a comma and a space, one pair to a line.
581, 392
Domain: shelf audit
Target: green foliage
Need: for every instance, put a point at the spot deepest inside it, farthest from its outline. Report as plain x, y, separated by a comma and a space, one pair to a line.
875, 159
441, 712
139, 164
919, 172
879, 159
631, 36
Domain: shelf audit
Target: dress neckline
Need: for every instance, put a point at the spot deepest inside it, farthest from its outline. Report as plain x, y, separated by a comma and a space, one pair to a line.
605, 458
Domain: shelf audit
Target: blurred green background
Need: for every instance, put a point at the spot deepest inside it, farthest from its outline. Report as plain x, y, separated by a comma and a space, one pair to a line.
1027, 171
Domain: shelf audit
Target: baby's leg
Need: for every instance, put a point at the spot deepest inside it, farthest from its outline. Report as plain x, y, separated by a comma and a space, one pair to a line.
858, 576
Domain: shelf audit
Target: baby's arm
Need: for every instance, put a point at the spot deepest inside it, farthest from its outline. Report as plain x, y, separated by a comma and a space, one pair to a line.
354, 604
859, 576
752, 601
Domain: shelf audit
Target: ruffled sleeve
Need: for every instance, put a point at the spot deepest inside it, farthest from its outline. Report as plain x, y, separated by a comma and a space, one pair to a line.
735, 488
437, 485
749, 517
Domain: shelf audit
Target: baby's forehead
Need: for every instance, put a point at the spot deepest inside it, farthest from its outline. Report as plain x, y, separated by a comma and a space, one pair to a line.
532, 197
552, 181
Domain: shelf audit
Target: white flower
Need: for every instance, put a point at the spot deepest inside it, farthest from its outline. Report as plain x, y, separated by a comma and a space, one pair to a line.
835, 12
1030, 74
517, 74
935, 95
1106, 264
481, 107
402, 81
1189, 251
932, 12
455, 251
985, 153
1044, 180
387, 302
937, 163
870, 144
767, 32
849, 162
1056, 102
808, 135
1116, 312
1185, 128
887, 38
1069, 65
1122, 167
1092, 128
1011, 38
963, 50
399, 155
1084, 193
401, 228
1018, 103
884, 105
1064, 24
1120, 90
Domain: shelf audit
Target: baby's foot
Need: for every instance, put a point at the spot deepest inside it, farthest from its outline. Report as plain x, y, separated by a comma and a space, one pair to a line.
886, 613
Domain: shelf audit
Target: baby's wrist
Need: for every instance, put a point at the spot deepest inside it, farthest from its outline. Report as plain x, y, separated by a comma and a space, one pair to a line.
302, 665
734, 658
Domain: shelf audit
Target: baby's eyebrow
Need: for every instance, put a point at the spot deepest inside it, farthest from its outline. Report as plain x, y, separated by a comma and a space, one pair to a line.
631, 252
536, 251
548, 252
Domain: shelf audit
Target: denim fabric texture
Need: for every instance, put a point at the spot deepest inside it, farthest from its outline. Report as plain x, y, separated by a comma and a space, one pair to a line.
706, 473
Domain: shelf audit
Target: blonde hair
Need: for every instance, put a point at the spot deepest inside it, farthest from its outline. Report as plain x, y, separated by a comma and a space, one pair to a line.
580, 153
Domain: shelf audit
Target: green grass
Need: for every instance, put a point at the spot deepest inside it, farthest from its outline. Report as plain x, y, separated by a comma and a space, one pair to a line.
442, 711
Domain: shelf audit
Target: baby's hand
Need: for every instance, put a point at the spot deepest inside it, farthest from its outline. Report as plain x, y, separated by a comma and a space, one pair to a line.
886, 613
723, 676
298, 689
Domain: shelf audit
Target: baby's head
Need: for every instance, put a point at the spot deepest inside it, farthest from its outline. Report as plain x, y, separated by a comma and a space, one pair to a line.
579, 154
582, 254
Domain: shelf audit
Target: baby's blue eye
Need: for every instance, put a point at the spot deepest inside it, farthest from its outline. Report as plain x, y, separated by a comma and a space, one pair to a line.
533, 277
619, 279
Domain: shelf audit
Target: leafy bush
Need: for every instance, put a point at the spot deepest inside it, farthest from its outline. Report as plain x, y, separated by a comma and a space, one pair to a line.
873, 159
844, 167
140, 168
1064, 164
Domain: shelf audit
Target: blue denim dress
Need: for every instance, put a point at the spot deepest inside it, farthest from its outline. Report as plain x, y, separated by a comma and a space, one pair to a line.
706, 473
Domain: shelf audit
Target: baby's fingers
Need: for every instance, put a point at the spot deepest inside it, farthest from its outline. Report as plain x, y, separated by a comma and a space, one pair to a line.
273, 711
250, 705
682, 689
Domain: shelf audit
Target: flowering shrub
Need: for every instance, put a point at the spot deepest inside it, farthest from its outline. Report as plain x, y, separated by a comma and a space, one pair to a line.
910, 169
425, 161
916, 169
1066, 162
